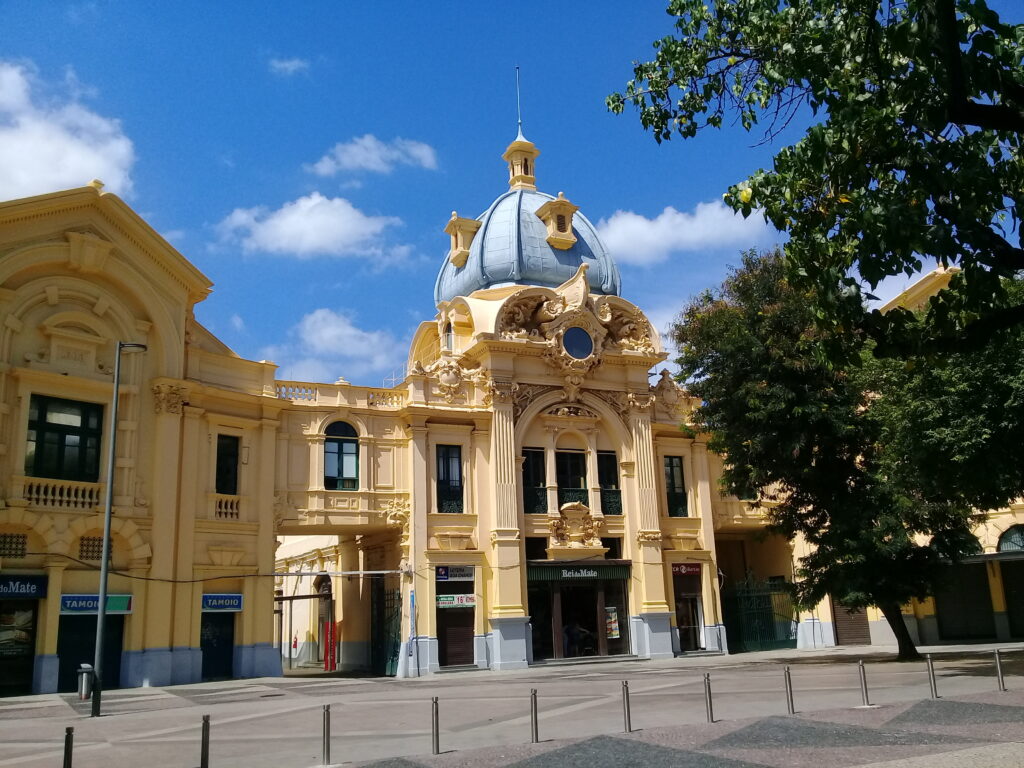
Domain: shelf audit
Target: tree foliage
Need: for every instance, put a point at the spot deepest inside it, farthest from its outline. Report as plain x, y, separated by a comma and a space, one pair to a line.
914, 149
877, 466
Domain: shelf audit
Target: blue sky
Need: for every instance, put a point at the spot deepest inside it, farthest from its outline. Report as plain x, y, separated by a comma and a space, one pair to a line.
306, 156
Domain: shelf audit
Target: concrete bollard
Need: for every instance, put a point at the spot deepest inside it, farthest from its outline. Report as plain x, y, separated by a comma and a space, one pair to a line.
534, 731
434, 728
627, 725
863, 683
204, 744
790, 708
326, 747
69, 745
709, 708
931, 676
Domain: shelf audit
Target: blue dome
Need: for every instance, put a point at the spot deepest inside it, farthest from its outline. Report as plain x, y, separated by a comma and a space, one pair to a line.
511, 248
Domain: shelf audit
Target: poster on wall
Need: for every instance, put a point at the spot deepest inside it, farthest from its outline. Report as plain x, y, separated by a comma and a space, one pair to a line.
17, 629
611, 622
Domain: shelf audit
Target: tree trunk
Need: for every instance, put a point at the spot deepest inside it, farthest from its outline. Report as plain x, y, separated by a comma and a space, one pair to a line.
907, 649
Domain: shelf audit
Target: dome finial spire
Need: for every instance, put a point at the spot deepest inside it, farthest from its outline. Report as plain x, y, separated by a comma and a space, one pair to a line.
521, 153
519, 110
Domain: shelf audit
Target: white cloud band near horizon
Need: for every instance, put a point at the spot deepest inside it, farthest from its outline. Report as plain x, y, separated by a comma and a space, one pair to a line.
368, 153
639, 241
49, 143
310, 226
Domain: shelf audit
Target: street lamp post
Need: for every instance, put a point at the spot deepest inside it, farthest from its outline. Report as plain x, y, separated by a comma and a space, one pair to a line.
108, 504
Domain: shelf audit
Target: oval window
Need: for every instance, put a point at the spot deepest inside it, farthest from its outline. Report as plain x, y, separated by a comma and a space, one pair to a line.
577, 343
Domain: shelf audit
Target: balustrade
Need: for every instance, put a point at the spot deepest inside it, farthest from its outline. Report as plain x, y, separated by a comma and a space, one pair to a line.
52, 493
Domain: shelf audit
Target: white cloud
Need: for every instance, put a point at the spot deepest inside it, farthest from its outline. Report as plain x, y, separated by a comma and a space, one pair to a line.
48, 145
237, 322
328, 345
313, 225
635, 239
368, 153
288, 67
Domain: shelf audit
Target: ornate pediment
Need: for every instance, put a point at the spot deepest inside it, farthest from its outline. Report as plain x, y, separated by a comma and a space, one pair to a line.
574, 526
575, 328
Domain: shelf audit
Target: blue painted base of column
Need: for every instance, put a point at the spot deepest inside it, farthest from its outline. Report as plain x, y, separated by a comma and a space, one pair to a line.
186, 665
652, 635
815, 633
242, 665
508, 642
480, 658
147, 668
44, 673
353, 655
266, 661
715, 638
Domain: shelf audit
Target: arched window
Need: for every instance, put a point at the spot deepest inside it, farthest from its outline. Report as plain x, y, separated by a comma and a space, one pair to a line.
449, 338
341, 458
1012, 540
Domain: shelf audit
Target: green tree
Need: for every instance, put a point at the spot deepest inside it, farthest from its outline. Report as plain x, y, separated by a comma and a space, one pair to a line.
916, 112
829, 451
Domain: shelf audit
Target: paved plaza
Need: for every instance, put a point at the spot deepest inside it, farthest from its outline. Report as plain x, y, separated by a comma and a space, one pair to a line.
484, 717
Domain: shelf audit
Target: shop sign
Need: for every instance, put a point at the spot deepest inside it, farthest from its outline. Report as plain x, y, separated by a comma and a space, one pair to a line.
226, 602
686, 569
456, 601
579, 573
454, 572
564, 572
23, 587
91, 603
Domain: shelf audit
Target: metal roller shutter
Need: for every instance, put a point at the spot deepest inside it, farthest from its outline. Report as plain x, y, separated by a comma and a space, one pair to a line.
851, 627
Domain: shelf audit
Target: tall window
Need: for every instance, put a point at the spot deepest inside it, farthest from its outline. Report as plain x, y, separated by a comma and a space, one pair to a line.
449, 478
341, 458
608, 479
571, 472
535, 492
63, 439
675, 486
227, 464
449, 338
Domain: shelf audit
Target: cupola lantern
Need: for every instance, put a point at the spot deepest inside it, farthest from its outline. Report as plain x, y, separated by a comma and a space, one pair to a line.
521, 157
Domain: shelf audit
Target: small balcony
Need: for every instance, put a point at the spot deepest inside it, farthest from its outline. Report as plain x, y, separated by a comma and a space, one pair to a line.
51, 493
225, 506
677, 504
449, 499
611, 501
573, 495
535, 501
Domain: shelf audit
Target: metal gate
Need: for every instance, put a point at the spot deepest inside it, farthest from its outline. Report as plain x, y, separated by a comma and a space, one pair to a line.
385, 626
758, 617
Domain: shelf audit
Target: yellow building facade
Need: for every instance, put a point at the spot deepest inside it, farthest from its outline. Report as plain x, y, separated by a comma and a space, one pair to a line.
525, 494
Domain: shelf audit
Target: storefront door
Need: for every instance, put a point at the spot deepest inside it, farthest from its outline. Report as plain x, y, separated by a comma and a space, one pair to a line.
578, 611
217, 641
686, 586
17, 646
76, 645
455, 611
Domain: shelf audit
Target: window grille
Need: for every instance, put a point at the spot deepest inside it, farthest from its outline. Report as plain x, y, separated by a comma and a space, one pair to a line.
90, 548
13, 545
